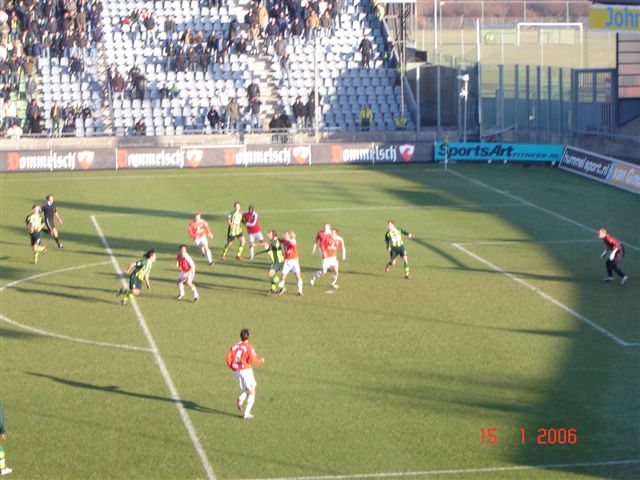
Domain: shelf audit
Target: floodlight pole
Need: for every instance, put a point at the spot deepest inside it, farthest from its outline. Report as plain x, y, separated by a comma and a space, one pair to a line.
315, 89
435, 26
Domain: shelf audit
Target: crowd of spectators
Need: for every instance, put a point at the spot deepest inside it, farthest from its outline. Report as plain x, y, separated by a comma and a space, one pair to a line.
34, 30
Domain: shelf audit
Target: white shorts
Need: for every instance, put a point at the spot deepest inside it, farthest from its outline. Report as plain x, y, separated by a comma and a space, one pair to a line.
256, 237
329, 262
187, 276
292, 265
246, 380
202, 241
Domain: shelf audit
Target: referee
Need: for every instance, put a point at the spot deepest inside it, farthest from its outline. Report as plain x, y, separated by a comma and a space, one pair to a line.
50, 210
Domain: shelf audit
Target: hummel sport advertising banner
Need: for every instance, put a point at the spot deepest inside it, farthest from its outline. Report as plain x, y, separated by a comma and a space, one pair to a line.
498, 152
603, 169
58, 160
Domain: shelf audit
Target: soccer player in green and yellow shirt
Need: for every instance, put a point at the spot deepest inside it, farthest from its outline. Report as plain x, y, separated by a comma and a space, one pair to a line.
276, 252
234, 221
395, 246
35, 224
138, 271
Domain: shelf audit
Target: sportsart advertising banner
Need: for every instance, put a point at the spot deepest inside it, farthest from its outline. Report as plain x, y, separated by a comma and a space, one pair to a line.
197, 156
510, 152
603, 169
56, 160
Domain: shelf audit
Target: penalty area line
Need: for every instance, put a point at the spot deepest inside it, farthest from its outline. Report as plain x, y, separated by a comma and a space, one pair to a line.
547, 297
54, 272
462, 471
186, 420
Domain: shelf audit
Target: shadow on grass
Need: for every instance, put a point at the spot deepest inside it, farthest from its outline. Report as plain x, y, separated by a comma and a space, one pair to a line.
189, 405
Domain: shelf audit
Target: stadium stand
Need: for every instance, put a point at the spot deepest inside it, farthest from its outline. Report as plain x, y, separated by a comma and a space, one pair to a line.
182, 59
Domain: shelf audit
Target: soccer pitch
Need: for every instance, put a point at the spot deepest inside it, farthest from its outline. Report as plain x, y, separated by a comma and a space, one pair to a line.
505, 325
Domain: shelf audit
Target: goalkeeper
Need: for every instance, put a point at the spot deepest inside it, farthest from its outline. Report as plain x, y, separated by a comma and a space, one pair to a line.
614, 252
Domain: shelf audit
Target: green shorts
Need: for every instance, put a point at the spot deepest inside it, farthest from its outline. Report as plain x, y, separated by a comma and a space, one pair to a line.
276, 266
135, 283
398, 252
35, 238
231, 237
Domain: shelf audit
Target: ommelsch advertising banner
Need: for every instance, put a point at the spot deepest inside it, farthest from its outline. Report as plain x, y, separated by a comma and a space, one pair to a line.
370, 153
601, 168
56, 160
509, 152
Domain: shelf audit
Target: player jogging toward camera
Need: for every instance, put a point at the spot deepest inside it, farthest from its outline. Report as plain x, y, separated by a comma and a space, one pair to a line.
234, 222
395, 247
199, 230
614, 251
35, 224
50, 211
187, 268
138, 272
329, 246
291, 261
250, 219
241, 357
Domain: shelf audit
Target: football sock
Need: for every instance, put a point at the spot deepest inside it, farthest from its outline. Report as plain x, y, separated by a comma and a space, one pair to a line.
250, 399
194, 290
274, 282
240, 248
406, 270
300, 286
251, 251
57, 239
181, 289
316, 275
3, 464
335, 279
209, 258
225, 250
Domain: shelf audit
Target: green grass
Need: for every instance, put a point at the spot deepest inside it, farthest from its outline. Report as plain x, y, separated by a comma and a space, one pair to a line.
383, 375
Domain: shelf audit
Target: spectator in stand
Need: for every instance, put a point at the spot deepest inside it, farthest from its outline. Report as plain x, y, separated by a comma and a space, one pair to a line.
263, 15
378, 10
175, 91
181, 62
312, 23
164, 91
56, 45
366, 49
140, 128
401, 122
253, 90
366, 117
310, 112
325, 24
271, 32
34, 115
214, 118
299, 113
87, 112
10, 112
296, 31
187, 37
242, 46
337, 8
233, 115
134, 23
284, 69
170, 51
254, 37
69, 127
149, 23
388, 54
279, 47
82, 20
223, 101
118, 85
283, 24
170, 27
134, 72
140, 86
55, 114
14, 131
76, 68
254, 109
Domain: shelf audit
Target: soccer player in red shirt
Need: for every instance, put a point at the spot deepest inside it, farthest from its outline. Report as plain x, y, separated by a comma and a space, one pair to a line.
291, 261
187, 268
329, 245
199, 230
250, 219
240, 358
614, 252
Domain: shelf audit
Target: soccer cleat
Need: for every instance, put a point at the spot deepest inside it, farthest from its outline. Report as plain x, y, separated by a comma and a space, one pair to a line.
239, 258
211, 264
624, 280
60, 246
335, 285
195, 299
607, 279
387, 268
119, 292
300, 294
124, 302
407, 277
6, 471
282, 290
312, 281
248, 417
180, 297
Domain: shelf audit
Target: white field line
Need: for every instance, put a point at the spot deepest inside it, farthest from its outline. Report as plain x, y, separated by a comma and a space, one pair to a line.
159, 361
537, 207
530, 242
46, 274
462, 471
351, 209
196, 173
72, 339
548, 298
